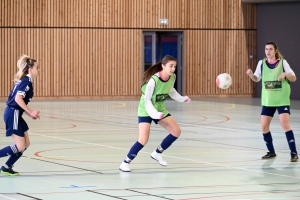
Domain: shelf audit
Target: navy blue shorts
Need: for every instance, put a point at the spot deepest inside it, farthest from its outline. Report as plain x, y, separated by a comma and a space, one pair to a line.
149, 120
14, 122
269, 111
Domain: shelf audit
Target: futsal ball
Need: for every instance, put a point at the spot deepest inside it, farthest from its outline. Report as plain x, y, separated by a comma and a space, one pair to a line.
224, 81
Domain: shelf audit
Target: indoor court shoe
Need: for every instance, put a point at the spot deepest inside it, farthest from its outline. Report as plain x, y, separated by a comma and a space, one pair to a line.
124, 167
294, 157
269, 155
158, 157
9, 172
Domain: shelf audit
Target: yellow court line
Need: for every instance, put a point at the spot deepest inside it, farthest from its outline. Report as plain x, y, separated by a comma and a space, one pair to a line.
232, 106
220, 109
120, 117
122, 105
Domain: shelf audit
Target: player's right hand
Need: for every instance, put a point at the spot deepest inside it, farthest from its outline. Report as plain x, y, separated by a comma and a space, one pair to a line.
187, 100
35, 114
249, 72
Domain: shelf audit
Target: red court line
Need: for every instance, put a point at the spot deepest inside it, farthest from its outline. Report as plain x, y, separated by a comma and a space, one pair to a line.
85, 121
195, 125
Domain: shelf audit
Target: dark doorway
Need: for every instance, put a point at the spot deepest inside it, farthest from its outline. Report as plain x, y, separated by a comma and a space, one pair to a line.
159, 44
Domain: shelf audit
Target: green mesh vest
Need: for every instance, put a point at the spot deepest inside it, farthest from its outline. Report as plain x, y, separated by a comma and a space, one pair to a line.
274, 93
160, 93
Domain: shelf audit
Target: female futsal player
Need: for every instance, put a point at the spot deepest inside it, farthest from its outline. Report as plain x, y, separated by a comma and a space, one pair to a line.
159, 81
18, 99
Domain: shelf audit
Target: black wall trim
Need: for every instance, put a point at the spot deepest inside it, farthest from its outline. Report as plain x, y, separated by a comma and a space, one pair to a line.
140, 28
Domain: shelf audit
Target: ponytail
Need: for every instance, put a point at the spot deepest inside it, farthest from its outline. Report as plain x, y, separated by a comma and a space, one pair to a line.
157, 67
152, 70
23, 64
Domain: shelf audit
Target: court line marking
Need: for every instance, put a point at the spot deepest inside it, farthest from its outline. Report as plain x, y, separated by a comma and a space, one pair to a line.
117, 155
83, 169
224, 108
178, 158
115, 197
148, 194
6, 197
25, 195
218, 128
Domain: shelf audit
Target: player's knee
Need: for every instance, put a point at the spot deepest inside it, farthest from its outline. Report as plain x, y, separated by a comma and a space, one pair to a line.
27, 144
21, 147
177, 131
143, 140
265, 128
286, 126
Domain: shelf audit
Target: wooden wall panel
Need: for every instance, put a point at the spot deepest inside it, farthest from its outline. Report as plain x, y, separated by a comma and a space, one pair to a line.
212, 52
75, 62
127, 14
94, 47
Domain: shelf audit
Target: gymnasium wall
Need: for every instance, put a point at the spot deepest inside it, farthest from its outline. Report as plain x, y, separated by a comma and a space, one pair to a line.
94, 48
280, 22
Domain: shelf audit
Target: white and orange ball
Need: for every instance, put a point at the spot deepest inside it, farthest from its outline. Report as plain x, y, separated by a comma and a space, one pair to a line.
223, 81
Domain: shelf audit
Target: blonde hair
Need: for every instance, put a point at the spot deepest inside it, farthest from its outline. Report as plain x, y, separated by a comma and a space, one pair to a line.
23, 64
277, 52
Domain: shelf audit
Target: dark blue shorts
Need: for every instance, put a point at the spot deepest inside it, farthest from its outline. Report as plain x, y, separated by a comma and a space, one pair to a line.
269, 111
14, 122
149, 120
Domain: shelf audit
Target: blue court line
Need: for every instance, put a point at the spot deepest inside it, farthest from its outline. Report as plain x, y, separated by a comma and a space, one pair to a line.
75, 186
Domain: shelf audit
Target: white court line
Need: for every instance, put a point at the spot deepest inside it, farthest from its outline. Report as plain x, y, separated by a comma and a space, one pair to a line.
196, 161
6, 197
82, 128
217, 128
229, 129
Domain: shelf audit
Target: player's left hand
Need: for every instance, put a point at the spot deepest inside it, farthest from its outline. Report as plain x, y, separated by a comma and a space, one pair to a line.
281, 77
187, 100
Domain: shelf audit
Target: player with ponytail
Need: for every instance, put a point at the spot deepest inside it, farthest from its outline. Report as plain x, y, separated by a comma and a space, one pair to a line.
159, 84
19, 97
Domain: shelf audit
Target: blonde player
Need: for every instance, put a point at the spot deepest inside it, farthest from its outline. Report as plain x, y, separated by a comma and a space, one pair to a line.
17, 102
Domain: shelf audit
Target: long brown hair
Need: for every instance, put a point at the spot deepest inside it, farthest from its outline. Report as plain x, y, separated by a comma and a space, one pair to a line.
277, 52
23, 64
157, 67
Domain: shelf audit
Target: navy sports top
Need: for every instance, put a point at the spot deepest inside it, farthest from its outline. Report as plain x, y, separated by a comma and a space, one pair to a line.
22, 87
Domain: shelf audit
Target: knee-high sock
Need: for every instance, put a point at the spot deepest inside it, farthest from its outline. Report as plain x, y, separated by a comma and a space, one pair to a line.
166, 143
269, 142
9, 150
291, 141
133, 152
13, 159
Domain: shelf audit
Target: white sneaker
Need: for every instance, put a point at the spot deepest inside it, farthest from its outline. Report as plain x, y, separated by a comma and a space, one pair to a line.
124, 167
158, 157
